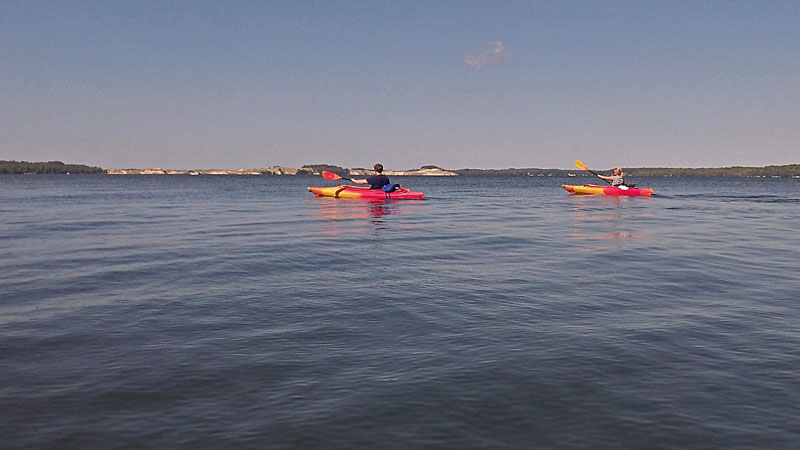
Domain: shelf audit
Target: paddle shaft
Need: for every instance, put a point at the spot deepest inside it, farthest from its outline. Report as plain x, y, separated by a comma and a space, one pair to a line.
598, 176
583, 166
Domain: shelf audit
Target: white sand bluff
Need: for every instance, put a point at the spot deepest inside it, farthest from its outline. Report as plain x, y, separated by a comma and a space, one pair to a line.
276, 170
430, 172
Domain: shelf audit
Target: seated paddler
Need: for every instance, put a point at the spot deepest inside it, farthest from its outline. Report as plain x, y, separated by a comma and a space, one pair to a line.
379, 180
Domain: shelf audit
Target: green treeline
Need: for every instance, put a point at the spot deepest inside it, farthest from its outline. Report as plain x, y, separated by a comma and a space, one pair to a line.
516, 172
23, 167
788, 170
321, 167
318, 168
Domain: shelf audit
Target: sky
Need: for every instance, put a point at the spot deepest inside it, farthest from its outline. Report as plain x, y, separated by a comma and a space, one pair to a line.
457, 84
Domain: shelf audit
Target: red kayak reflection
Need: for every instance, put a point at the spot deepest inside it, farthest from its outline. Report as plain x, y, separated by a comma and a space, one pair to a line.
605, 218
339, 209
351, 215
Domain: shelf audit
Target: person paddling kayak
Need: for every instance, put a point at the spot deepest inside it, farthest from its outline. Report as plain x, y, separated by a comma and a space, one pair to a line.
377, 181
617, 183
616, 179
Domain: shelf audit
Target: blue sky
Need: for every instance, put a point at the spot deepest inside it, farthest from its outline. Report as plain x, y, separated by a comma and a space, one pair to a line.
459, 84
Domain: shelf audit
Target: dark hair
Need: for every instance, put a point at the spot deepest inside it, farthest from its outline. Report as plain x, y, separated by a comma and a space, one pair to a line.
379, 167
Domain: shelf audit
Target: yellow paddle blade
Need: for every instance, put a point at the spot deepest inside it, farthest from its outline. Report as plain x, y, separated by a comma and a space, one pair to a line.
581, 165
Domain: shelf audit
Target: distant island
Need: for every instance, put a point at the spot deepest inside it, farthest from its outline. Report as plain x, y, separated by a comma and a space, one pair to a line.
54, 167
309, 170
58, 167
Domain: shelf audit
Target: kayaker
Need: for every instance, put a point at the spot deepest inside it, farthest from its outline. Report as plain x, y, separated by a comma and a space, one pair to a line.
376, 181
616, 179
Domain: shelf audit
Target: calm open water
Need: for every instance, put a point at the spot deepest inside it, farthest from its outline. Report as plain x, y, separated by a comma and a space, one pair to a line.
229, 312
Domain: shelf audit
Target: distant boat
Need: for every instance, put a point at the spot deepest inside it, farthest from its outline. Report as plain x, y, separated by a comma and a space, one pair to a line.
571, 175
194, 173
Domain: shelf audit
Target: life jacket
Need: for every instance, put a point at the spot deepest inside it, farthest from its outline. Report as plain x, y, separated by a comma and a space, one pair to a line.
391, 187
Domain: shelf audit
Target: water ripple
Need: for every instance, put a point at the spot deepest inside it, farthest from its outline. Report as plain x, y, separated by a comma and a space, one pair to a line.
496, 313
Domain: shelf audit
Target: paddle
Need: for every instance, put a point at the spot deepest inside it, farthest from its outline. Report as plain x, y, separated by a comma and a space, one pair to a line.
583, 166
332, 176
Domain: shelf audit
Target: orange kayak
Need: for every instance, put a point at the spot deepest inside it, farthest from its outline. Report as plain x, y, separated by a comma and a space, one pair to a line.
593, 189
346, 191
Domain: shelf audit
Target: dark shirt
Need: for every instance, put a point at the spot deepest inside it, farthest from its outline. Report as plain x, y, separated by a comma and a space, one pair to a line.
378, 181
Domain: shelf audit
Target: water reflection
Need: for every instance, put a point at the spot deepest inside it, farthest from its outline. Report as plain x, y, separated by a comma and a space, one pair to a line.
352, 215
347, 209
379, 209
604, 218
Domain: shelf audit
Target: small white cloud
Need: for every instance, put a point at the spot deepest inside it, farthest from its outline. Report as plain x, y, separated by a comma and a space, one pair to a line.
495, 53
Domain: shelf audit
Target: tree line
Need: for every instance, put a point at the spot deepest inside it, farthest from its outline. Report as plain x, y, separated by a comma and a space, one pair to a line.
50, 167
788, 170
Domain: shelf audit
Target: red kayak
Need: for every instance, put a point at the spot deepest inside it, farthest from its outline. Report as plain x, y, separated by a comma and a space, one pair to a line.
626, 191
346, 191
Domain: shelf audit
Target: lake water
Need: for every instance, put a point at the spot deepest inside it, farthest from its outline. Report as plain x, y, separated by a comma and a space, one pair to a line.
230, 312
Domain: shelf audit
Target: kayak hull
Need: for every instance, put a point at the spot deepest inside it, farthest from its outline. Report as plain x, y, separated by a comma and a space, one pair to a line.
593, 189
346, 191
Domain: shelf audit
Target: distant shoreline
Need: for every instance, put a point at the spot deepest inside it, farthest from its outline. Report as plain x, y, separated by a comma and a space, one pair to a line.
57, 167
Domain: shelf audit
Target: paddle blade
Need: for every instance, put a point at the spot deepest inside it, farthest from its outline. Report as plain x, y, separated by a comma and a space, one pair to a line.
581, 165
330, 175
